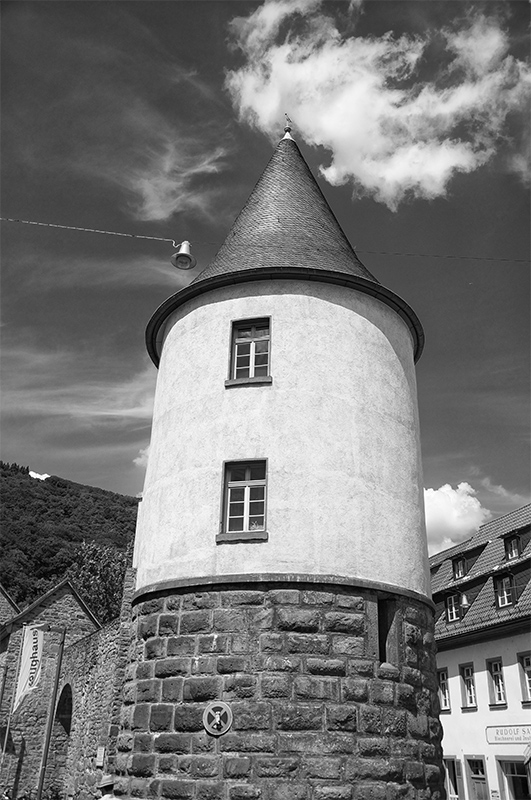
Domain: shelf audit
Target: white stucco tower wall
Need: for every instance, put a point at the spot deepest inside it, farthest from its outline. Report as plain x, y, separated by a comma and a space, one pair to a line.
336, 420
338, 426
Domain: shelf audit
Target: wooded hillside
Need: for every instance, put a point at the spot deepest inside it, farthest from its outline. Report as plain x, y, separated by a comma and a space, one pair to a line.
54, 528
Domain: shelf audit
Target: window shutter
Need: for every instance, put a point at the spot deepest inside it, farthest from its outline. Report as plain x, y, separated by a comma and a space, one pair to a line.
459, 776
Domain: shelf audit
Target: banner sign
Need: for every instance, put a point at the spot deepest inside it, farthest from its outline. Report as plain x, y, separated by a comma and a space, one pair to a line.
30, 664
508, 734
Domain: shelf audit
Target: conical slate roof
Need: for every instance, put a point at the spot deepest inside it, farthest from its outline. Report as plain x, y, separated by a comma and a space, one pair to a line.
286, 222
286, 230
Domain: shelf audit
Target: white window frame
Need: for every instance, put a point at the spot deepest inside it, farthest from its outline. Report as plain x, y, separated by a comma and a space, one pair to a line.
524, 663
468, 685
444, 689
453, 608
504, 591
238, 342
459, 566
496, 682
248, 533
512, 548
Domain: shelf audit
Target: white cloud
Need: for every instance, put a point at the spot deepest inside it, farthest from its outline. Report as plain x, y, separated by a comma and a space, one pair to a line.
38, 476
390, 132
141, 459
452, 515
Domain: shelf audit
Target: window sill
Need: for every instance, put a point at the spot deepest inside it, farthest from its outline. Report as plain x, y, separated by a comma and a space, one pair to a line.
526, 703
248, 381
445, 711
467, 709
494, 706
241, 536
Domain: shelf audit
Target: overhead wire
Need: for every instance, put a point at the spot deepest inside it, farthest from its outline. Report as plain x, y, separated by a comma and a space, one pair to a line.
176, 244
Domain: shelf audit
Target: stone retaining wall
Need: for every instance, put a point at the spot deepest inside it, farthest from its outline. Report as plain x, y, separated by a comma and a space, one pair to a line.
316, 714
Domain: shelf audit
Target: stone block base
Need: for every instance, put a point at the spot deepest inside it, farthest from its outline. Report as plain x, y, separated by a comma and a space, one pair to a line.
332, 691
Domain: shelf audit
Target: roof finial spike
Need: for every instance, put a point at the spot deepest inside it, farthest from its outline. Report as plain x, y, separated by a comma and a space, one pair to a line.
287, 128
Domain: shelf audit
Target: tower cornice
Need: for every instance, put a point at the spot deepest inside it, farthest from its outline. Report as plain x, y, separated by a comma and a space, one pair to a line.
156, 325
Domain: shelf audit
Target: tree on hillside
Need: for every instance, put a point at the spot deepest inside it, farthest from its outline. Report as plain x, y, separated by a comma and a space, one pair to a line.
98, 575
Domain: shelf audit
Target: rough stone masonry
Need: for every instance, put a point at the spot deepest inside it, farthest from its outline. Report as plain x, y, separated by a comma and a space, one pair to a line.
316, 715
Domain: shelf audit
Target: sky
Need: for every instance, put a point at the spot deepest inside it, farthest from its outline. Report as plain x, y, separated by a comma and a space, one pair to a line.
157, 118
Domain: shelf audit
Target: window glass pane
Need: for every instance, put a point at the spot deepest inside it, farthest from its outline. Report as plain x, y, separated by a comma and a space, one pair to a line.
261, 360
257, 472
260, 372
243, 349
244, 333
236, 509
262, 347
256, 508
243, 361
256, 523
257, 492
262, 330
237, 473
236, 524
237, 494
242, 372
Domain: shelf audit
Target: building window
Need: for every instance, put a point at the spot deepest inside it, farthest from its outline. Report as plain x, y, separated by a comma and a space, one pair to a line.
444, 691
496, 684
452, 608
515, 780
512, 548
468, 686
524, 661
505, 591
459, 568
477, 779
244, 501
250, 350
454, 779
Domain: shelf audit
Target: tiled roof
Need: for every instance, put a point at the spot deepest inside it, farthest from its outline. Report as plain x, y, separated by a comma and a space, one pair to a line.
483, 611
286, 222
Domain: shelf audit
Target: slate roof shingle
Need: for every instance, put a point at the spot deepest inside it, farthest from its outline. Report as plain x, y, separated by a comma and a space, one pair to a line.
286, 229
286, 222
491, 562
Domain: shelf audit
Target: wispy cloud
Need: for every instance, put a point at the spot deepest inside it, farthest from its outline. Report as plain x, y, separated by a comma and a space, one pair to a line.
162, 166
75, 388
47, 271
116, 108
394, 129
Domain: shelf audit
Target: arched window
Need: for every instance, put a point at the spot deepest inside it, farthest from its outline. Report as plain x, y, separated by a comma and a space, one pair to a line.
63, 715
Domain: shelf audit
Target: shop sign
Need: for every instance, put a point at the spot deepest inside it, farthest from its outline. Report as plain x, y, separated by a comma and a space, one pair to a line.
508, 734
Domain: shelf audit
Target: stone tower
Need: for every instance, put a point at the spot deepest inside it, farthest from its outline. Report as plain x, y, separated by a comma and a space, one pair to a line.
283, 632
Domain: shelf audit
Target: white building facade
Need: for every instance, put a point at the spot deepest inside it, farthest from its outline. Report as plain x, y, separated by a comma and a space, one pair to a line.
482, 593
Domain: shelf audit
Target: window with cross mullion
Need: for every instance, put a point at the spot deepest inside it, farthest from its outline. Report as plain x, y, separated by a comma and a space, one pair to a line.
251, 349
246, 485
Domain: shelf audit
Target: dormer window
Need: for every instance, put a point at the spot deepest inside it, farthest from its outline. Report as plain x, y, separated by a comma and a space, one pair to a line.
453, 611
504, 588
512, 548
459, 568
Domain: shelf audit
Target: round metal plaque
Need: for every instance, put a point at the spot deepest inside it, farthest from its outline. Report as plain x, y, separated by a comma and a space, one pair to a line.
217, 718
